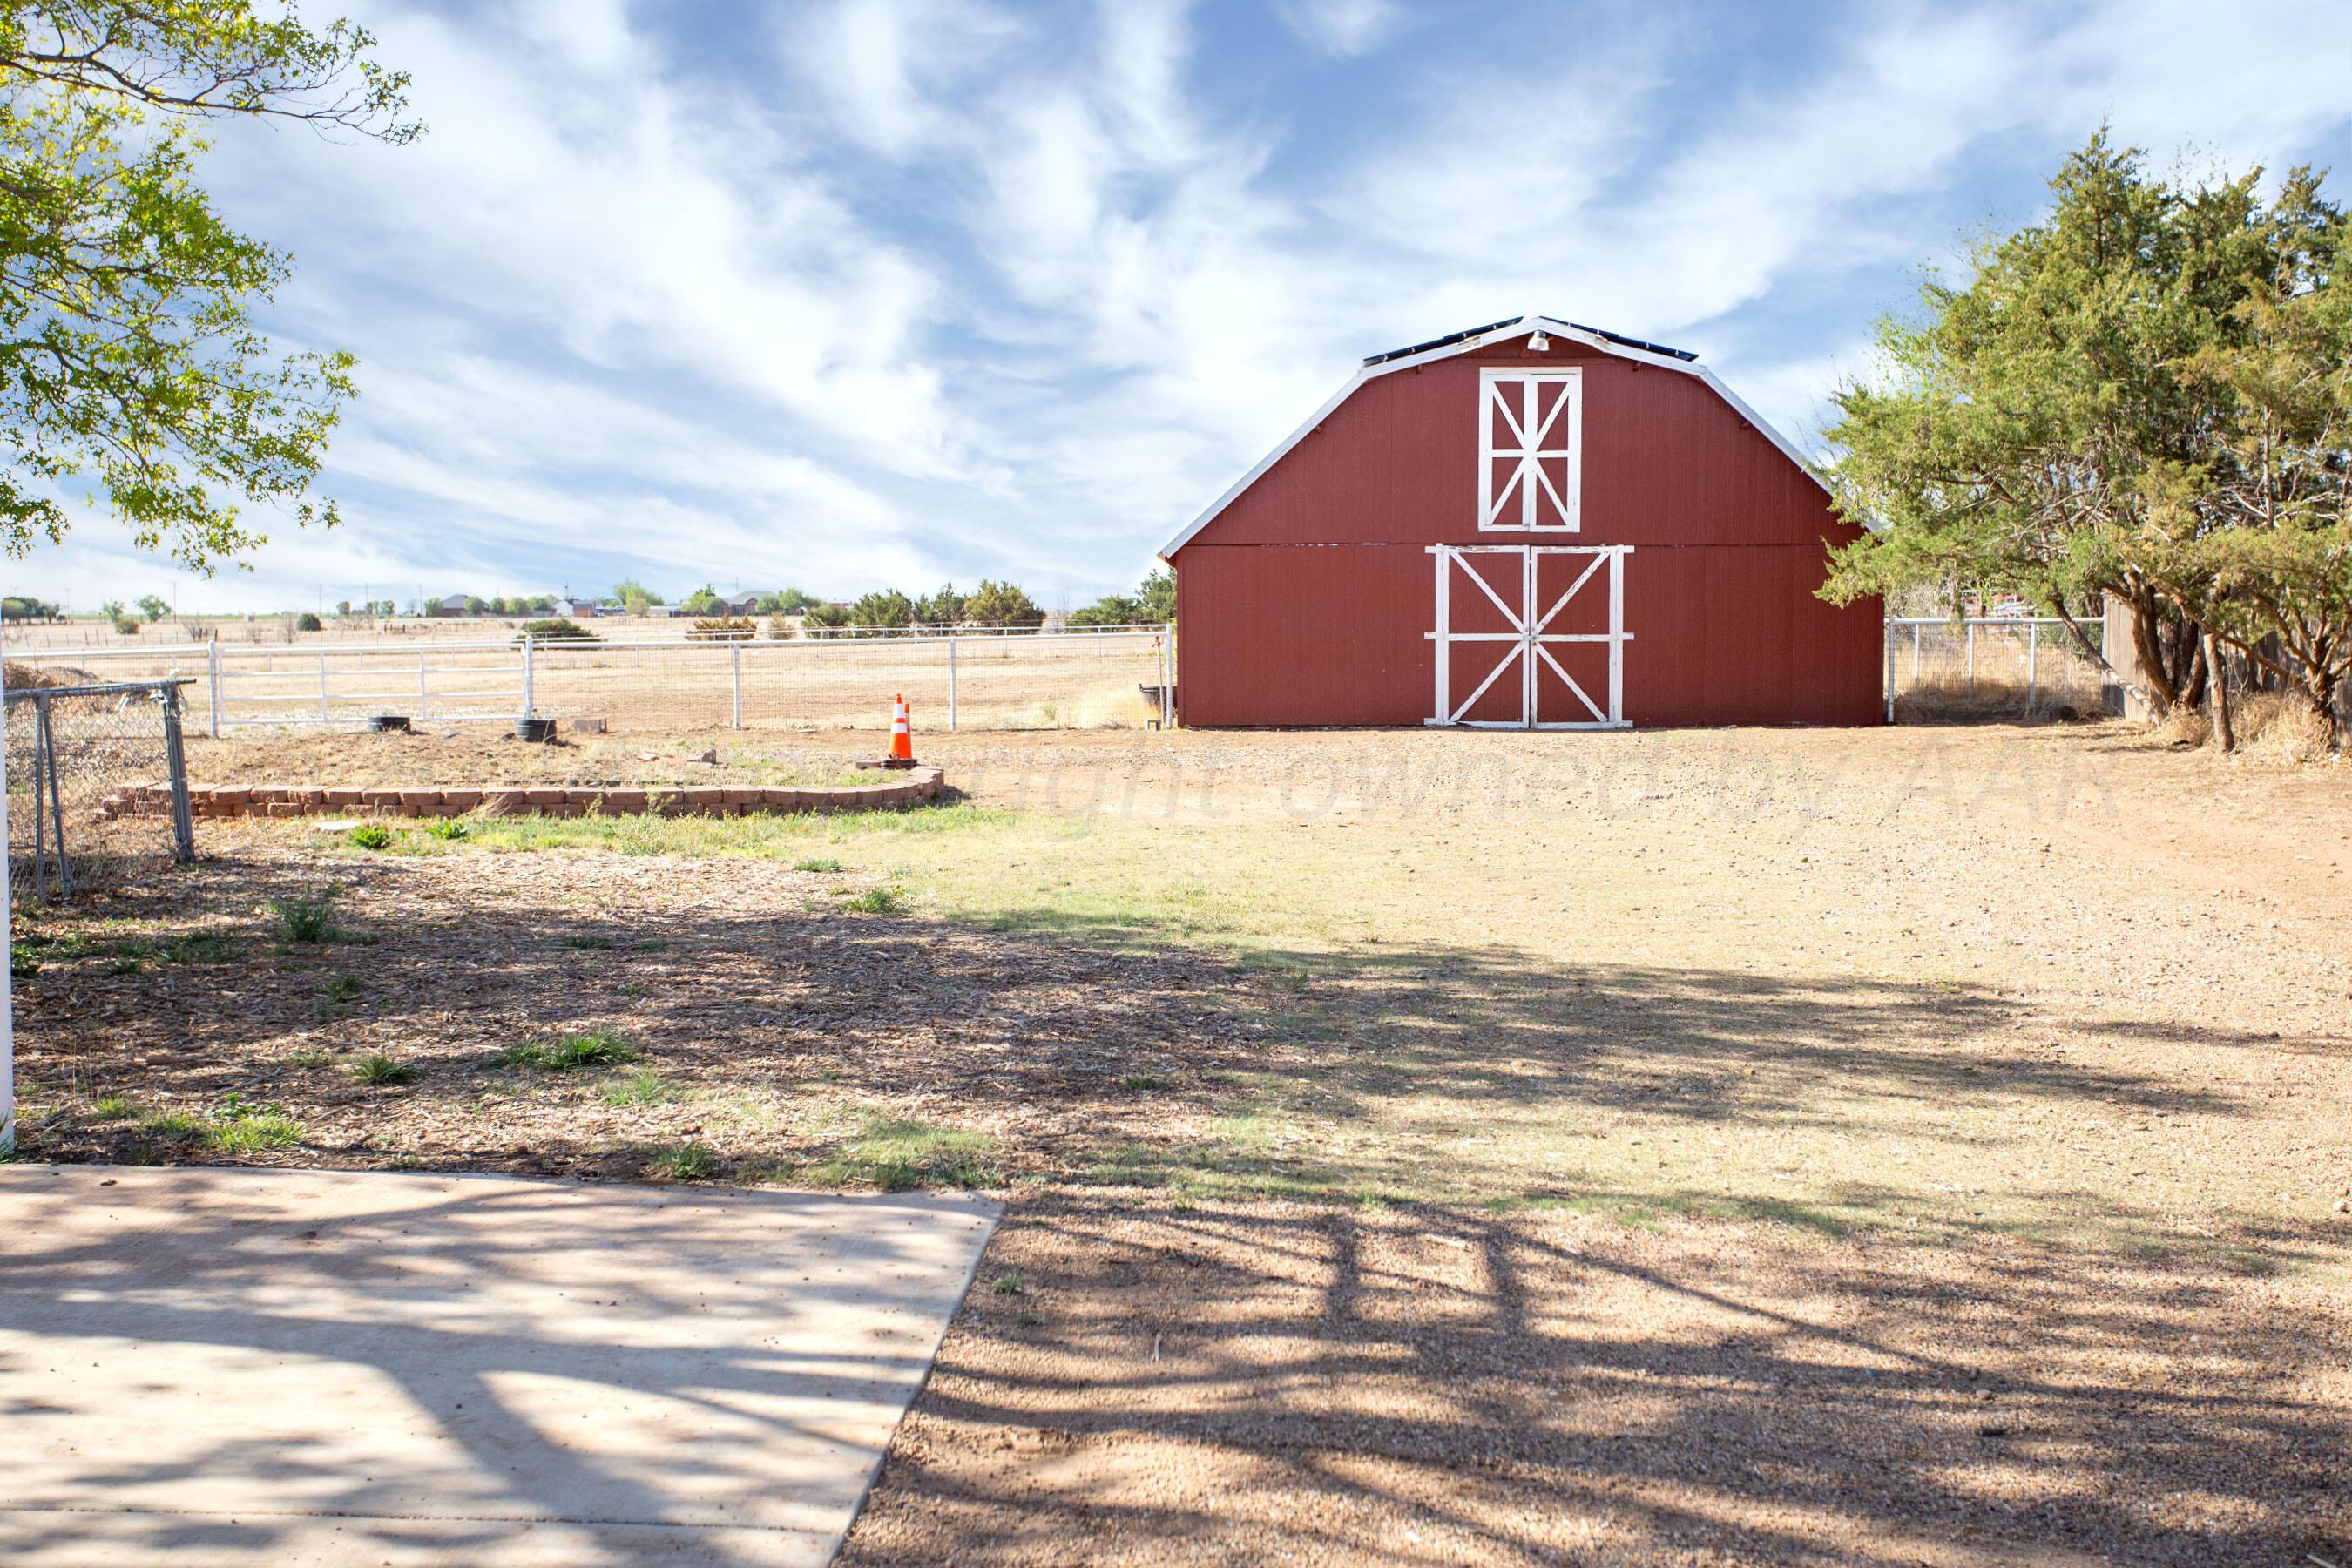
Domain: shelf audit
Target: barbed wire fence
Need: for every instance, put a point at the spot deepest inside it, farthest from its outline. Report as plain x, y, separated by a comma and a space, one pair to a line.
98, 786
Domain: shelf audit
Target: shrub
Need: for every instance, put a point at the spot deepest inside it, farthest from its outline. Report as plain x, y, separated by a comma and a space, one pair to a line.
307, 622
380, 1068
723, 628
308, 919
599, 1049
372, 835
561, 630
876, 901
823, 865
112, 1108
447, 829
1008, 1284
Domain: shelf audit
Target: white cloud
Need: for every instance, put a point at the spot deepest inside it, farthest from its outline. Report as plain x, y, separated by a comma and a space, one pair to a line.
1343, 28
901, 288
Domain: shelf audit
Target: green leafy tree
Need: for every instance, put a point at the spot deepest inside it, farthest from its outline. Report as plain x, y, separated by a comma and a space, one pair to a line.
2010, 441
884, 608
794, 601
127, 351
826, 617
308, 621
703, 601
154, 606
634, 596
1002, 604
944, 608
2252, 539
1110, 610
1155, 600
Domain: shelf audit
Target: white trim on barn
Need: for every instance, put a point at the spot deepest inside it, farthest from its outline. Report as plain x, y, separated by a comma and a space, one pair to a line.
1542, 439
1520, 328
1526, 642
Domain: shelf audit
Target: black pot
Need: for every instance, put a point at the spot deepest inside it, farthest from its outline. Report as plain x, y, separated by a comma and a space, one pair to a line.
539, 729
389, 724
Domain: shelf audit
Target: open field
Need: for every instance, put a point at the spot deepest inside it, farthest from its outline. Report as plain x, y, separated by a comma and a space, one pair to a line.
1894, 1145
1079, 679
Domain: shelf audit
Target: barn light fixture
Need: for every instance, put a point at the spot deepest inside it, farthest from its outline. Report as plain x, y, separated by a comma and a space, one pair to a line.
1539, 344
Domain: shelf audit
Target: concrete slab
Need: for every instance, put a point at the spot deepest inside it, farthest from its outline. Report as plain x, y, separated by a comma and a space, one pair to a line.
202, 1365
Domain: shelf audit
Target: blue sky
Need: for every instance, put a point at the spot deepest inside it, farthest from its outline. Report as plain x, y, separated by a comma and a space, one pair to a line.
893, 291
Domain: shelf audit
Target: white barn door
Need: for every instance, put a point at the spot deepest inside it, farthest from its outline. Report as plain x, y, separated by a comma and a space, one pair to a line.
1531, 636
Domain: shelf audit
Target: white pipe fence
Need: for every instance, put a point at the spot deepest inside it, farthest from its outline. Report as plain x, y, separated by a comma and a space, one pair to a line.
1004, 678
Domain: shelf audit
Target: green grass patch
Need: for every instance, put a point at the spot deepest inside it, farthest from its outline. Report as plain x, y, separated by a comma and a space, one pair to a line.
308, 919
572, 1053
895, 1154
378, 1069
769, 835
883, 900
372, 835
817, 863
588, 942
1142, 1082
1009, 1283
308, 1059
447, 829
684, 1163
112, 1108
643, 1086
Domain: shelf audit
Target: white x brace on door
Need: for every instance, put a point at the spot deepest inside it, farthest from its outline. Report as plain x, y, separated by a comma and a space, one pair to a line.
1531, 636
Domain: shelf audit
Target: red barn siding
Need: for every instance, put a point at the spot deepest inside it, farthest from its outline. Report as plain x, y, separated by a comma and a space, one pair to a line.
1306, 601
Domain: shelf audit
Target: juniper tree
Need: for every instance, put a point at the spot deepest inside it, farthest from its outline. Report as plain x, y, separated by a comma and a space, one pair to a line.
2009, 438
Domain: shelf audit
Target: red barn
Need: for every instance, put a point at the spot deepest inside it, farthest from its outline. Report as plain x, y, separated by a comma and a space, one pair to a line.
1531, 524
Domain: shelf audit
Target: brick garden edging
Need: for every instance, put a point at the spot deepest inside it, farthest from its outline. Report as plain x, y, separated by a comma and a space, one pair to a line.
212, 801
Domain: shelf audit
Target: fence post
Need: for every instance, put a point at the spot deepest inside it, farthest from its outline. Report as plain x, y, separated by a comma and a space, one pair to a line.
526, 674
735, 665
1914, 655
215, 687
40, 803
951, 684
1972, 656
1167, 677
57, 804
175, 757
424, 690
1889, 648
2032, 674
323, 686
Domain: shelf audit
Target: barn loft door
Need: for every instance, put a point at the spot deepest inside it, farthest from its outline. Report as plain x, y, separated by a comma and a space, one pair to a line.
1531, 636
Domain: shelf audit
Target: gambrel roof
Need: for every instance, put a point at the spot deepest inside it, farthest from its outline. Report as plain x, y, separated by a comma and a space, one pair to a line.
1472, 340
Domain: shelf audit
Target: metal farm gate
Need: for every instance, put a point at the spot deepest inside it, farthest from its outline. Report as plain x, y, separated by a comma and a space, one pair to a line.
1531, 636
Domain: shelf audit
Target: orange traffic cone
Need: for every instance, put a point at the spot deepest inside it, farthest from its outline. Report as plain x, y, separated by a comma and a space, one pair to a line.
902, 737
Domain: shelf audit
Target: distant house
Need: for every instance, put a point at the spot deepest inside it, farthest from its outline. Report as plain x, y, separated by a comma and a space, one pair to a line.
742, 603
454, 605
578, 609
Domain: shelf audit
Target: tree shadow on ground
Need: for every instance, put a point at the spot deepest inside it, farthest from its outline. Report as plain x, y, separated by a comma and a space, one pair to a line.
1434, 1386
781, 1033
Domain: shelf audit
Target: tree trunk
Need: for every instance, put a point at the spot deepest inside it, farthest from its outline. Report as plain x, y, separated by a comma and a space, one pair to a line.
2319, 687
2217, 685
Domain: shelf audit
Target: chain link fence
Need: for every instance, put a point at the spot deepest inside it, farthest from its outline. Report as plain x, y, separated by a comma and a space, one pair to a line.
1991, 666
98, 786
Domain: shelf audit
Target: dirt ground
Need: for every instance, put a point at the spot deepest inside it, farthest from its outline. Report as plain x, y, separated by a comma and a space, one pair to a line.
1908, 1146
